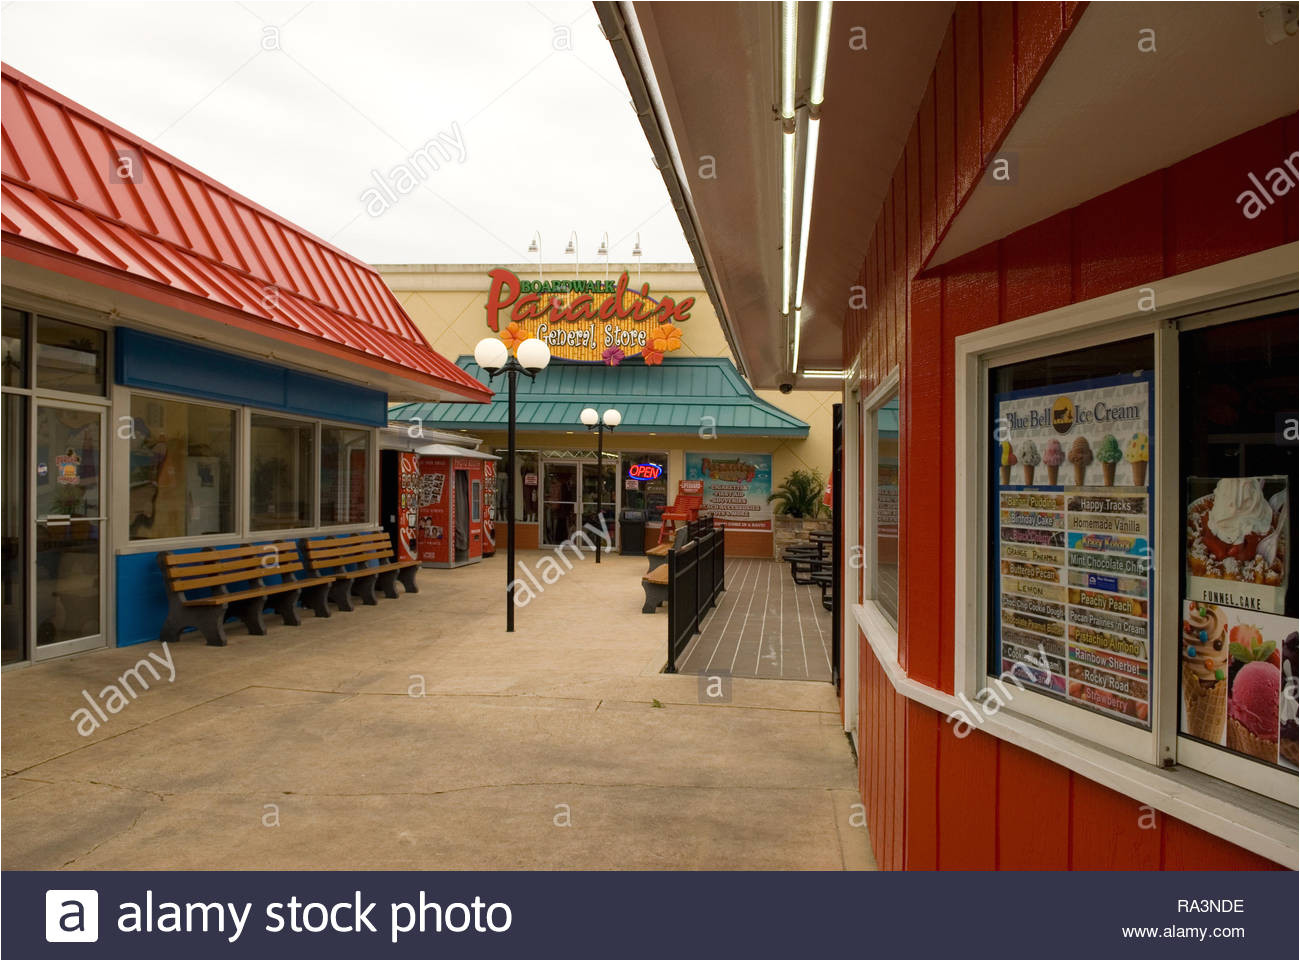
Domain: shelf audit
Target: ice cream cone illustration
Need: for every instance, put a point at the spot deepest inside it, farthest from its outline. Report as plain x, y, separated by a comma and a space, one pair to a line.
1109, 454
1029, 459
1053, 457
1136, 455
1008, 461
1205, 672
1080, 457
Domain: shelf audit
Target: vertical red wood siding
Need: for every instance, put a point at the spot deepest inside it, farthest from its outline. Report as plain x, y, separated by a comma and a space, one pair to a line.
932, 799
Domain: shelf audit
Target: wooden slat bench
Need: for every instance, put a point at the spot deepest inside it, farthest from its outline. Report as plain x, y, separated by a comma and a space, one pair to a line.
355, 563
217, 571
658, 555
656, 589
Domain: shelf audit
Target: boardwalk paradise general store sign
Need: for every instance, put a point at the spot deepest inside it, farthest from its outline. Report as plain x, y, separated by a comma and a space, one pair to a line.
591, 320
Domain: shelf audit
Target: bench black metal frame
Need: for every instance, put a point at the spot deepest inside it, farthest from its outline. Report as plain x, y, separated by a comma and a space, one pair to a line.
354, 564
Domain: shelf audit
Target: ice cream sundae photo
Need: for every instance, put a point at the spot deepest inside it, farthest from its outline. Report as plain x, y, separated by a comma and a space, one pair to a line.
1235, 533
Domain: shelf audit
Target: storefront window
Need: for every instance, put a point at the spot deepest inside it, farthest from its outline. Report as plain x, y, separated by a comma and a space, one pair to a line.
15, 345
884, 567
181, 473
526, 480
644, 477
281, 473
1070, 519
344, 475
69, 357
1237, 464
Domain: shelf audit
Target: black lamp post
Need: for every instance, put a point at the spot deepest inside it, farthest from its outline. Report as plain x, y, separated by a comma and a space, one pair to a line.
599, 424
530, 358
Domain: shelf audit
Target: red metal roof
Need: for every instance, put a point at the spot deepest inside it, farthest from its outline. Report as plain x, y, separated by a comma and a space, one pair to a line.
179, 238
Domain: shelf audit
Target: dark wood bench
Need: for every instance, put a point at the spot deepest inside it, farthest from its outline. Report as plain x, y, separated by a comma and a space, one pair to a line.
355, 564
216, 571
655, 584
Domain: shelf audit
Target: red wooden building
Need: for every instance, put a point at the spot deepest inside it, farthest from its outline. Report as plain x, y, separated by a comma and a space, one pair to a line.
1053, 246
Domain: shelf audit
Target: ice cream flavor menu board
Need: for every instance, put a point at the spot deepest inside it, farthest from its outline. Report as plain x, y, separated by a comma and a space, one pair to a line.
1071, 610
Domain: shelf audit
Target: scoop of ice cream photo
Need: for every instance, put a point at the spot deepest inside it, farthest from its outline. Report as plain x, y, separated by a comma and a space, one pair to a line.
1109, 454
1029, 459
1253, 711
1080, 456
1053, 458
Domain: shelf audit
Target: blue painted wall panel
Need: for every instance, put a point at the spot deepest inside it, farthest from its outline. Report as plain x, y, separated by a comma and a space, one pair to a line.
142, 596
160, 363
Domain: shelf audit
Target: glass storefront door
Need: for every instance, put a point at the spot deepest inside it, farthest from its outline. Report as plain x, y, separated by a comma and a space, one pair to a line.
67, 541
608, 496
13, 629
559, 501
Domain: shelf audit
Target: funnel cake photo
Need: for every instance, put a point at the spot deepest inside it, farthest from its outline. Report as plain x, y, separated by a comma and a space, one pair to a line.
1234, 533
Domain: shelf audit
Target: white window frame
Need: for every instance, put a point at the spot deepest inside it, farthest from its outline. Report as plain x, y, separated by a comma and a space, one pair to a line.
852, 550
1240, 286
885, 391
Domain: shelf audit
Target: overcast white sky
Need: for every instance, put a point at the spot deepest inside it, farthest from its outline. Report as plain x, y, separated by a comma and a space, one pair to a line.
550, 141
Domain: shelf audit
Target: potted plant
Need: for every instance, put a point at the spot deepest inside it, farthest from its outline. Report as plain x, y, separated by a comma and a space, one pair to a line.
798, 507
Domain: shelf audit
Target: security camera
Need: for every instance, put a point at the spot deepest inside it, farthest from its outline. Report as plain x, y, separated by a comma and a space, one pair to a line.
786, 387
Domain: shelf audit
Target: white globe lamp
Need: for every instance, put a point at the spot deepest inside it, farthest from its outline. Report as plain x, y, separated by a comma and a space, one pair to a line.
491, 354
533, 355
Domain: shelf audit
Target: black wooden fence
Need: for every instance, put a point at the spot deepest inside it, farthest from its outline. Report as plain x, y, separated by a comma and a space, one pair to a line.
696, 576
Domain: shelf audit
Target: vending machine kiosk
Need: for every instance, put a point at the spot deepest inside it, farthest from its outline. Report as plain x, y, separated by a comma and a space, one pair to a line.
436, 502
399, 501
452, 509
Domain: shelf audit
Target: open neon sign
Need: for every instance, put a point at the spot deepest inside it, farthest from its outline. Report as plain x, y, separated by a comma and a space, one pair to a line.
645, 472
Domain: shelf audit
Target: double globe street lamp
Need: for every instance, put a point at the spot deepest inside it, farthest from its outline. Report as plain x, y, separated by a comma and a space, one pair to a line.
600, 424
530, 358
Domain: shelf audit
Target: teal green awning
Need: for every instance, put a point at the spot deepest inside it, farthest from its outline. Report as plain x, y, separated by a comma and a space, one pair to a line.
675, 397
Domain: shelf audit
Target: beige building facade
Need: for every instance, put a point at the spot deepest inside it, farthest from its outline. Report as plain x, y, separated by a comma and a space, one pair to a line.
449, 302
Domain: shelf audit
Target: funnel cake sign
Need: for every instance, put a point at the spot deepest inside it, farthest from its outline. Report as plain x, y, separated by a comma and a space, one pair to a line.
600, 321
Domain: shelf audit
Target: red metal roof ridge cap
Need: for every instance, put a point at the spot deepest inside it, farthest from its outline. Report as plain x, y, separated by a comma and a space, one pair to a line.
246, 274
221, 313
67, 103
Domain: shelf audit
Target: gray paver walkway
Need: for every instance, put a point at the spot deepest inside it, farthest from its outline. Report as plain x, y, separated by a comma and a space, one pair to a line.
419, 735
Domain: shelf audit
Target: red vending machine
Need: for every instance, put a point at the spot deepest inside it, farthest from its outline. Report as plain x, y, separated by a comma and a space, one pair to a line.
489, 508
453, 506
399, 501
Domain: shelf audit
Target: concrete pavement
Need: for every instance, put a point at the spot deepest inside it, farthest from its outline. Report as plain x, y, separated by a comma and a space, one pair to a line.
419, 735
